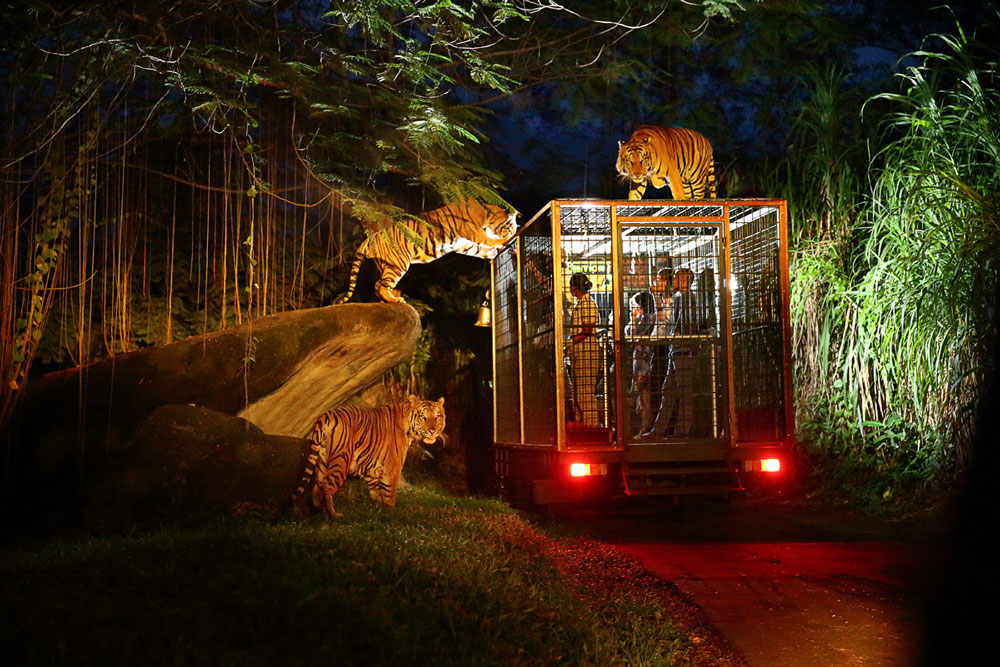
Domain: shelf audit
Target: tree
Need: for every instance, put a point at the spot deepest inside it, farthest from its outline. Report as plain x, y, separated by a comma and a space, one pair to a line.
122, 121
365, 89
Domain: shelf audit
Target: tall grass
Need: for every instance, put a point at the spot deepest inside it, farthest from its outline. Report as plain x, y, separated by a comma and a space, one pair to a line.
894, 313
824, 173
935, 218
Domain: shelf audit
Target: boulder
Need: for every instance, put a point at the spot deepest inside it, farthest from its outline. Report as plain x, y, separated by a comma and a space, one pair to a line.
278, 372
195, 460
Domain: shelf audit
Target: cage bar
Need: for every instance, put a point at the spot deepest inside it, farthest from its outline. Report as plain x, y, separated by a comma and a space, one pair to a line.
646, 334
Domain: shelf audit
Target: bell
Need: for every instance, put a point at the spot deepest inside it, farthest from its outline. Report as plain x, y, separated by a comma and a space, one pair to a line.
485, 318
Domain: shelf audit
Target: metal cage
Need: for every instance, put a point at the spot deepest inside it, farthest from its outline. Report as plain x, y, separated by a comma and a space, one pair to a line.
675, 347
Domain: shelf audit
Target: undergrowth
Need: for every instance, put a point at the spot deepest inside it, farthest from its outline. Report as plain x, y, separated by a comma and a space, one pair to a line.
886, 468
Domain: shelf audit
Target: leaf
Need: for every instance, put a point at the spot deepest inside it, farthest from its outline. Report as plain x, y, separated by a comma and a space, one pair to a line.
721, 8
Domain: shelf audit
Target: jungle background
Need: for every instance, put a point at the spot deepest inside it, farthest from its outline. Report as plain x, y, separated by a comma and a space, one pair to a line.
175, 169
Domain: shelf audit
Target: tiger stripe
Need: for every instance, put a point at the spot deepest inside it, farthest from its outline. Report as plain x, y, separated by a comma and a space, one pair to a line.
466, 227
369, 442
661, 155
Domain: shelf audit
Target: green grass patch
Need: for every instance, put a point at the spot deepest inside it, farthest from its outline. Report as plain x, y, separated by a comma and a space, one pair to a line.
438, 580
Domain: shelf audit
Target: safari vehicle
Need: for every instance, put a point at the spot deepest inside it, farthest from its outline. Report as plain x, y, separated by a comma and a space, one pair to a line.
737, 423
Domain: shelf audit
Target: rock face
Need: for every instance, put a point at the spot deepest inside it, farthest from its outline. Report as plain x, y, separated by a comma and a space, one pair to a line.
340, 367
278, 373
192, 459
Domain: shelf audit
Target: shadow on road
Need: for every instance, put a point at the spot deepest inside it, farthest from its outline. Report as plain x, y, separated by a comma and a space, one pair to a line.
745, 519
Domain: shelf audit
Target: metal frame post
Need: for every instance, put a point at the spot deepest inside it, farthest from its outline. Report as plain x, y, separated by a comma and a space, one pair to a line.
558, 322
786, 316
617, 333
727, 323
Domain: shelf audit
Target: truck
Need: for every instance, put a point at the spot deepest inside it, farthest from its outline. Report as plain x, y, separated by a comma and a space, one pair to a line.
682, 382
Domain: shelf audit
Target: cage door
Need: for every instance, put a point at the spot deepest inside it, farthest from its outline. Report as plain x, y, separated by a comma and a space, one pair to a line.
674, 361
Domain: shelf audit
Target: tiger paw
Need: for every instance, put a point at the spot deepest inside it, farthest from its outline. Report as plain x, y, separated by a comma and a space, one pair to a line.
389, 295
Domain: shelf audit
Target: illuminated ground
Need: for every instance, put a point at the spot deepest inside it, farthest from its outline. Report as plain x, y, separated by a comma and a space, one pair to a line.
788, 583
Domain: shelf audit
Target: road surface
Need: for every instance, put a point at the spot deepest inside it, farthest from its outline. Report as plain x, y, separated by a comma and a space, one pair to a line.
788, 583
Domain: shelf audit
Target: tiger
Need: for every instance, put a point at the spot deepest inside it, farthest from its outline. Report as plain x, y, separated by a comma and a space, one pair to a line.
369, 442
466, 227
660, 155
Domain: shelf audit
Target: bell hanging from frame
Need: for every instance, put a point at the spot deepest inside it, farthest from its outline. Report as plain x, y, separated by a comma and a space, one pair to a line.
485, 318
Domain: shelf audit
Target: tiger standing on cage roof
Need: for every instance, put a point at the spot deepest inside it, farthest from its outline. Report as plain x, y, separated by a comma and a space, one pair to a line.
661, 155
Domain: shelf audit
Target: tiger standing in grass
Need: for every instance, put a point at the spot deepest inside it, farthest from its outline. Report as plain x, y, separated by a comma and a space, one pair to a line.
466, 227
369, 442
660, 155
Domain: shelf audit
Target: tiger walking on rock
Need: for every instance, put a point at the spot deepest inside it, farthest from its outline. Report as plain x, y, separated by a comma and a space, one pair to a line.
660, 155
369, 442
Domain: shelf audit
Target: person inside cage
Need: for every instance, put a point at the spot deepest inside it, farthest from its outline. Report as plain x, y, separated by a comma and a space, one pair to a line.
662, 289
642, 307
537, 293
584, 351
676, 399
706, 300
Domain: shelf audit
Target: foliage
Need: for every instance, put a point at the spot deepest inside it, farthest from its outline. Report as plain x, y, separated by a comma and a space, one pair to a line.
369, 93
893, 322
173, 299
194, 135
933, 249
436, 580
831, 158
27, 298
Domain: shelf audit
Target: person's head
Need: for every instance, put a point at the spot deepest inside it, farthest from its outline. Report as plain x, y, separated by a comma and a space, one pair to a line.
664, 280
579, 284
683, 279
706, 280
643, 302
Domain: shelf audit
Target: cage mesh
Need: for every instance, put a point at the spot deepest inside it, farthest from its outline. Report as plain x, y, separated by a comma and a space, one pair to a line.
585, 234
538, 329
507, 375
757, 330
666, 211
672, 352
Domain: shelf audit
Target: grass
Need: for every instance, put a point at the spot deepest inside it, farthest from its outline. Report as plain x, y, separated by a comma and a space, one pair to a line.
894, 302
438, 580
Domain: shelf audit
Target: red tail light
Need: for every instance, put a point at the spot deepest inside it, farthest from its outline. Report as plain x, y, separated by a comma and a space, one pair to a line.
587, 469
770, 465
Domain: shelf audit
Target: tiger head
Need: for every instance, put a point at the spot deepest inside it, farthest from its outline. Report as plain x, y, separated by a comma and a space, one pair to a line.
426, 420
635, 159
500, 224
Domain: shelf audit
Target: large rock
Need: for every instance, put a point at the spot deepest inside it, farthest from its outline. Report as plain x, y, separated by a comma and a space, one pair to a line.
194, 460
279, 372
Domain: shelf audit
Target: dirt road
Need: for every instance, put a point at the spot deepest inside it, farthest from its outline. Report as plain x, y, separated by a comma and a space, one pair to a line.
788, 583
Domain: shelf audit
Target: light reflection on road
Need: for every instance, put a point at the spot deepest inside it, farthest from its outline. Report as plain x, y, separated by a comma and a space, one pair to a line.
787, 584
